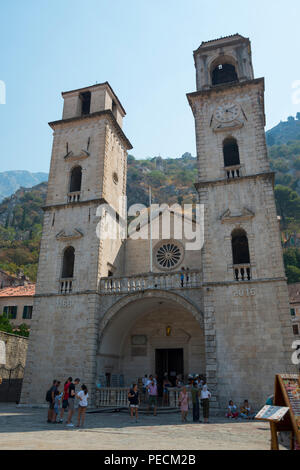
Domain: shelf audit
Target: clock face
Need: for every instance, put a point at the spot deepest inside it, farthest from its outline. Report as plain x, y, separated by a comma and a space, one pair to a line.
227, 112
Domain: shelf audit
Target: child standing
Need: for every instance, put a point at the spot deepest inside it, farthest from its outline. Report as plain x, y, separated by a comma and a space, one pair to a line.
57, 400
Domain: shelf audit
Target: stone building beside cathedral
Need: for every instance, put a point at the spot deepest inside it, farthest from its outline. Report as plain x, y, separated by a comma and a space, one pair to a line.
99, 312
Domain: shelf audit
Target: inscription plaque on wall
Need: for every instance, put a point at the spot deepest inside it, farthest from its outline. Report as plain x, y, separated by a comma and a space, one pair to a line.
138, 351
138, 340
244, 292
64, 303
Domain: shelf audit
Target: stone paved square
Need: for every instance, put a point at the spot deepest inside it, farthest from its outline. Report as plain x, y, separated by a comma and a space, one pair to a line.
26, 429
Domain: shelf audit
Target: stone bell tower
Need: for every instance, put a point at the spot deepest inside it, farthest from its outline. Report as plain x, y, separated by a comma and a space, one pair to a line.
244, 286
88, 168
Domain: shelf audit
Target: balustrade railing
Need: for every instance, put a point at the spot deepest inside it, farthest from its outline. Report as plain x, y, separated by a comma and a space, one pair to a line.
74, 196
242, 272
174, 280
66, 285
234, 171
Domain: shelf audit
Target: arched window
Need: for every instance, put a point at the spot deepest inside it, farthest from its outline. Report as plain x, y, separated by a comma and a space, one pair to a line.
240, 248
68, 263
75, 180
224, 73
240, 254
231, 155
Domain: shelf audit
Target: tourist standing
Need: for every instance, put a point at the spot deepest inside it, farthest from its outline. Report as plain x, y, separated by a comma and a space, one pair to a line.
187, 275
152, 390
134, 400
82, 405
195, 400
184, 404
178, 382
166, 385
71, 401
65, 399
205, 397
50, 398
182, 277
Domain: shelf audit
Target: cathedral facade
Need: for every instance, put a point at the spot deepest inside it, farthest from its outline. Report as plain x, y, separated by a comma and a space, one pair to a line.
100, 311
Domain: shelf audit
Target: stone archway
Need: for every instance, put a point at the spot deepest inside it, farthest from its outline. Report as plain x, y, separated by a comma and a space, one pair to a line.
144, 317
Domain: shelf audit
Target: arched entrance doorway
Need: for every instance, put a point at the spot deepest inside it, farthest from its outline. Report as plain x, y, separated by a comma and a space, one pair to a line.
151, 333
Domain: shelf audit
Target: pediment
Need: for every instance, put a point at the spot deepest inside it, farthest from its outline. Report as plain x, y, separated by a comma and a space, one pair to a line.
232, 217
64, 236
220, 127
77, 156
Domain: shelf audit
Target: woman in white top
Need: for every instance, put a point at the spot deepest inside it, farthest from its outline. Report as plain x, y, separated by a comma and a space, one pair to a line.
205, 396
82, 405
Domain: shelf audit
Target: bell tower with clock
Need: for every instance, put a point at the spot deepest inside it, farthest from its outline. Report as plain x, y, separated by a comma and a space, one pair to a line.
245, 299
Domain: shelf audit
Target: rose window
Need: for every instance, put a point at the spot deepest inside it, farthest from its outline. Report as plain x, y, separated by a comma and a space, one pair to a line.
168, 255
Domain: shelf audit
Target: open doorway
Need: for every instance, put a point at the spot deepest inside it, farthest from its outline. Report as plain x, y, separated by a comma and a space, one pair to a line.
170, 361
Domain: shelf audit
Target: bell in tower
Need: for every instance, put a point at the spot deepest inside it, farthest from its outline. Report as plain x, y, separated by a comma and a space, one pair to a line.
223, 61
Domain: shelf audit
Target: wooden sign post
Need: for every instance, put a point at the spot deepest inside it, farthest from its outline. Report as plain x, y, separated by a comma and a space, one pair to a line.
272, 414
287, 394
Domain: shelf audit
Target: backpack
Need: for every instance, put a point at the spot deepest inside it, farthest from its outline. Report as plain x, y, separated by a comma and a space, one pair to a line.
49, 396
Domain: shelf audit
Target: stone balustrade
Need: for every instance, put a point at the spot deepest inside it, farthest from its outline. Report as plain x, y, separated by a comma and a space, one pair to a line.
74, 196
66, 285
242, 272
234, 171
141, 282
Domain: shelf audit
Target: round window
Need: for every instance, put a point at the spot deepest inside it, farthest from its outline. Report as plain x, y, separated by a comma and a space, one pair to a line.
168, 255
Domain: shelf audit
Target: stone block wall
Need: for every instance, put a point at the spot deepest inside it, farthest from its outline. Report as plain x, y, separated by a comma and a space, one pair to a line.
15, 349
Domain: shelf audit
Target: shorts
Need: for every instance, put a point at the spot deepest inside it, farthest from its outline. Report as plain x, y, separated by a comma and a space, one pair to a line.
133, 406
51, 405
65, 404
82, 407
152, 400
71, 403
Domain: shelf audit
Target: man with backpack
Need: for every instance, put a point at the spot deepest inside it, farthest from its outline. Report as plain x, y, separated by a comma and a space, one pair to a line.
50, 398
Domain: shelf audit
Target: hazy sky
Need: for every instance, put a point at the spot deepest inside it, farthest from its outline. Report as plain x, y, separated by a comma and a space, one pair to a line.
145, 50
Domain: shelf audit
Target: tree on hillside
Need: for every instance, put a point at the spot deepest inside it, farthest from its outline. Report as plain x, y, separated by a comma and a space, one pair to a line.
288, 205
292, 274
130, 159
280, 165
296, 163
156, 178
